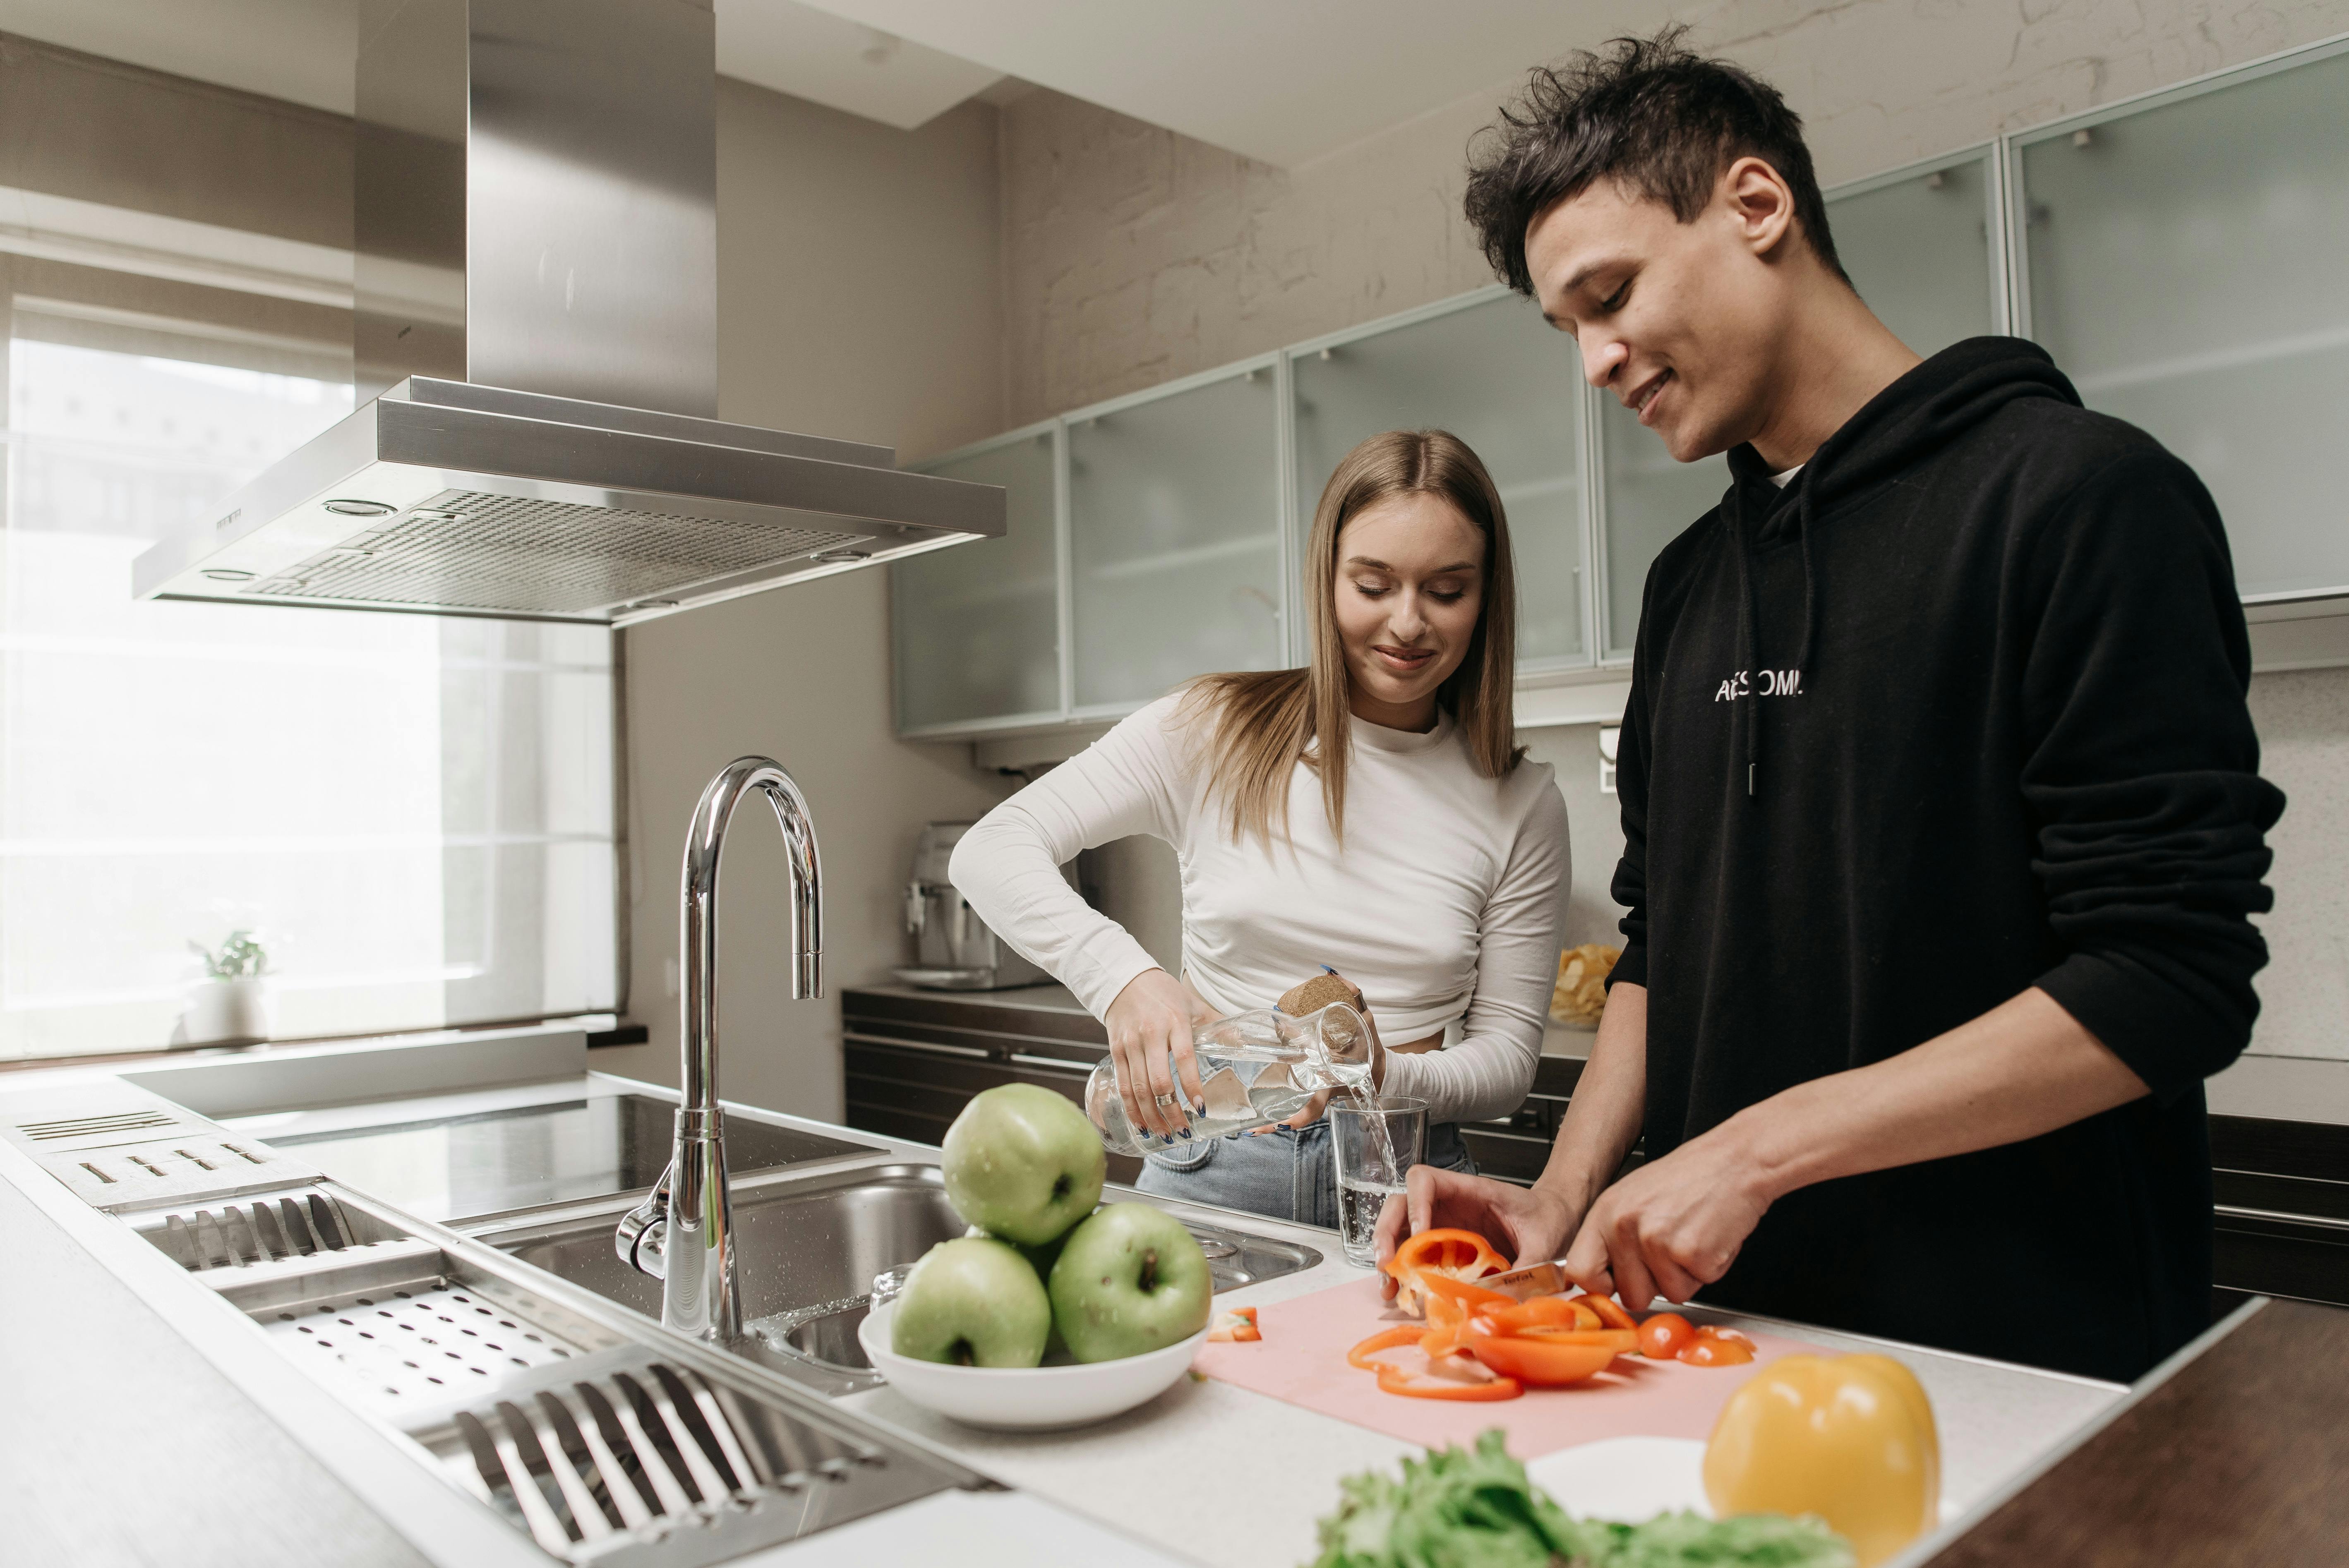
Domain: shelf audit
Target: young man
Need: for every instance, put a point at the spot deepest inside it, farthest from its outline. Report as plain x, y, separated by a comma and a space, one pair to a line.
1942, 813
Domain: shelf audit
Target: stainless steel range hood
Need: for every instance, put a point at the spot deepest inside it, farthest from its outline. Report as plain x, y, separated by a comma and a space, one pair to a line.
536, 337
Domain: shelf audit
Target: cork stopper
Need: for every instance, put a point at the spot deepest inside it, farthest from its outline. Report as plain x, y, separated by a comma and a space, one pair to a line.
1317, 993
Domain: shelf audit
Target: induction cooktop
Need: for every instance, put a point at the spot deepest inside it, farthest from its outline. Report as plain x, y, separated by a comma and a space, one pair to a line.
463, 1166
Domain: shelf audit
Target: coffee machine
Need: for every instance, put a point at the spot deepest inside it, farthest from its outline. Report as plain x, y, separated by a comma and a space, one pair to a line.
955, 951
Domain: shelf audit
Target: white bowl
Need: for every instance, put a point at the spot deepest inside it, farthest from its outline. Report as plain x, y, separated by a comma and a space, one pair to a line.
1026, 1398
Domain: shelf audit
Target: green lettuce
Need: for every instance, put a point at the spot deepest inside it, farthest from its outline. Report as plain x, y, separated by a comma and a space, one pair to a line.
1474, 1508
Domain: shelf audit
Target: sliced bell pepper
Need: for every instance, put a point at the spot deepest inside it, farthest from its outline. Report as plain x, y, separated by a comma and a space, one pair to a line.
1473, 1297
1464, 1254
1703, 1351
1543, 1312
1454, 1255
1395, 1380
1539, 1363
1448, 1326
1621, 1341
1384, 1339
1611, 1313
1235, 1327
1460, 1367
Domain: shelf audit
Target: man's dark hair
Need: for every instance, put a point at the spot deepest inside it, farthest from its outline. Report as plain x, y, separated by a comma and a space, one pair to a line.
1649, 113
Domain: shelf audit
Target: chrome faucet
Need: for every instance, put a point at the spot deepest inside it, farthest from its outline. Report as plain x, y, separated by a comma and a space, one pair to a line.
683, 1235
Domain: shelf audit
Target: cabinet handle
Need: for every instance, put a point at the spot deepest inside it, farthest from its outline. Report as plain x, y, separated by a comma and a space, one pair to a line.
930, 1046
1061, 1063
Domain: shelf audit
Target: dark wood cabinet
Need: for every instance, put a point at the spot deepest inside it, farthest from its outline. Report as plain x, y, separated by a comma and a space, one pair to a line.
914, 1059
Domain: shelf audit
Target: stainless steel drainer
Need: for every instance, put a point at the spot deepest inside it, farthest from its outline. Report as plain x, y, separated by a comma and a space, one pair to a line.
275, 1225
623, 1451
400, 1350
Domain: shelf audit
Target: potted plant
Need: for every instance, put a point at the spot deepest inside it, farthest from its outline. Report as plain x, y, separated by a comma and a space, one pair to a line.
231, 1005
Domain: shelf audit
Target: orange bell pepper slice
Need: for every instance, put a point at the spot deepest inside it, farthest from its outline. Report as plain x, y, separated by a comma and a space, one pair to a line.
1448, 1326
1539, 1363
1543, 1312
1464, 1254
1395, 1380
1448, 1254
1237, 1327
1715, 1351
1384, 1339
1622, 1341
1611, 1313
1470, 1297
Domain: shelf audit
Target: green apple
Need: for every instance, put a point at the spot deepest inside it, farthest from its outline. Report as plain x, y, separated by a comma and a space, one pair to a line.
974, 1303
1023, 1163
1129, 1280
1042, 1258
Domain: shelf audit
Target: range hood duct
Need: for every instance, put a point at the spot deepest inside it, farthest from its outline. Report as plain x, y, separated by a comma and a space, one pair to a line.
536, 342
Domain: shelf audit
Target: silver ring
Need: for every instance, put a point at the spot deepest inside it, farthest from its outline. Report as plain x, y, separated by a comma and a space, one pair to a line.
1164, 1100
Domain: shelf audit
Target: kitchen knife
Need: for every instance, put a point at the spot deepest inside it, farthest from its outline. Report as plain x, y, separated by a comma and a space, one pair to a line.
1533, 1280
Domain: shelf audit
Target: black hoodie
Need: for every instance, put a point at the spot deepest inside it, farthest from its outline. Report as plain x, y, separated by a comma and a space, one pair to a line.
1958, 713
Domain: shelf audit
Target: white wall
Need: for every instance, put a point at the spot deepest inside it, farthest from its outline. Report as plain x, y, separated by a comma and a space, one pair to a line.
858, 296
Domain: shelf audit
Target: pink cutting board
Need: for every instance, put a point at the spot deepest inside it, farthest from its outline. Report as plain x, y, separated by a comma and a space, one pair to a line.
1302, 1359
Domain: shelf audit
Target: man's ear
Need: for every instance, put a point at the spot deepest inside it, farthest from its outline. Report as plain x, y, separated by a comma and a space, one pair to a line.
1759, 201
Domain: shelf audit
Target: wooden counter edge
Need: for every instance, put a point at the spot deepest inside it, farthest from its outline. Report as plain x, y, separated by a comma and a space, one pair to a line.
2229, 1454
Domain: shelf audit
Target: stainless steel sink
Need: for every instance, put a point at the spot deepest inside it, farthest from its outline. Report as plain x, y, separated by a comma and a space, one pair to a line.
807, 1249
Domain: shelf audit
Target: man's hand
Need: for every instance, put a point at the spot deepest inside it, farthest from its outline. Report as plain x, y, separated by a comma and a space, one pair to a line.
1670, 1227
1528, 1223
1150, 1040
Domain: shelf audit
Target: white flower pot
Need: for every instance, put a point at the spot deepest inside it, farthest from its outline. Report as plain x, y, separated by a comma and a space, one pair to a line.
223, 1011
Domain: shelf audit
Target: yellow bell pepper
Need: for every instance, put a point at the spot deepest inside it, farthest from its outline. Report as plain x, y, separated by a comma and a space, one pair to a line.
1848, 1438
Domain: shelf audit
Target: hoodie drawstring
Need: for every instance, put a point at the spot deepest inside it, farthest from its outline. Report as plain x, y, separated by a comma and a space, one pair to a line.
1750, 620
1749, 638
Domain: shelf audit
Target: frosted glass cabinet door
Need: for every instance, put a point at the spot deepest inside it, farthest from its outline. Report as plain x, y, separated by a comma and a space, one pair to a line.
976, 626
2189, 268
1174, 540
1918, 252
1496, 375
1650, 500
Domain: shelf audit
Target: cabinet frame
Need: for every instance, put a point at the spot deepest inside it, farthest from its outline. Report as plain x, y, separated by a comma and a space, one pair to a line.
1297, 521
1248, 369
958, 729
2017, 256
1990, 156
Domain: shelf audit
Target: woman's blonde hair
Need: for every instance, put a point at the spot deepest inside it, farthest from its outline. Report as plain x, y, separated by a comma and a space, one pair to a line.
1267, 721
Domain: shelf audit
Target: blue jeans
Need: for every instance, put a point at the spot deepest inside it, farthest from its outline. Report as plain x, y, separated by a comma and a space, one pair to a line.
1285, 1173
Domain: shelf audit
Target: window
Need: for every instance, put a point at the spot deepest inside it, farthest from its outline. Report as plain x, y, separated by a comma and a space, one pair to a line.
414, 814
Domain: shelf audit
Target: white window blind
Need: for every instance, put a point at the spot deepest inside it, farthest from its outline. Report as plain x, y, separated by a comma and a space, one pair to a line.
414, 812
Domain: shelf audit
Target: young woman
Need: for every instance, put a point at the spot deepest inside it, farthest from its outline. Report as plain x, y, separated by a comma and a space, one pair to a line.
1371, 812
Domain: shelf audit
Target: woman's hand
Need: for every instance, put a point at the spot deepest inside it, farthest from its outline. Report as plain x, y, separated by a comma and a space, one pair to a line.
1150, 1040
1526, 1223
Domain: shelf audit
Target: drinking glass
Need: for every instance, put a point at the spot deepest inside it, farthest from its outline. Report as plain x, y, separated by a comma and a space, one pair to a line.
1375, 1141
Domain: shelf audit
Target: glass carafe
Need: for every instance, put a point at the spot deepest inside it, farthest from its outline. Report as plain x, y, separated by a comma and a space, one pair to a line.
1255, 1068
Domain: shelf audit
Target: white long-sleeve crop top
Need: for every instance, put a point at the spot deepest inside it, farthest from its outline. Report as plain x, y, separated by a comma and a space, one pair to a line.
1443, 904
